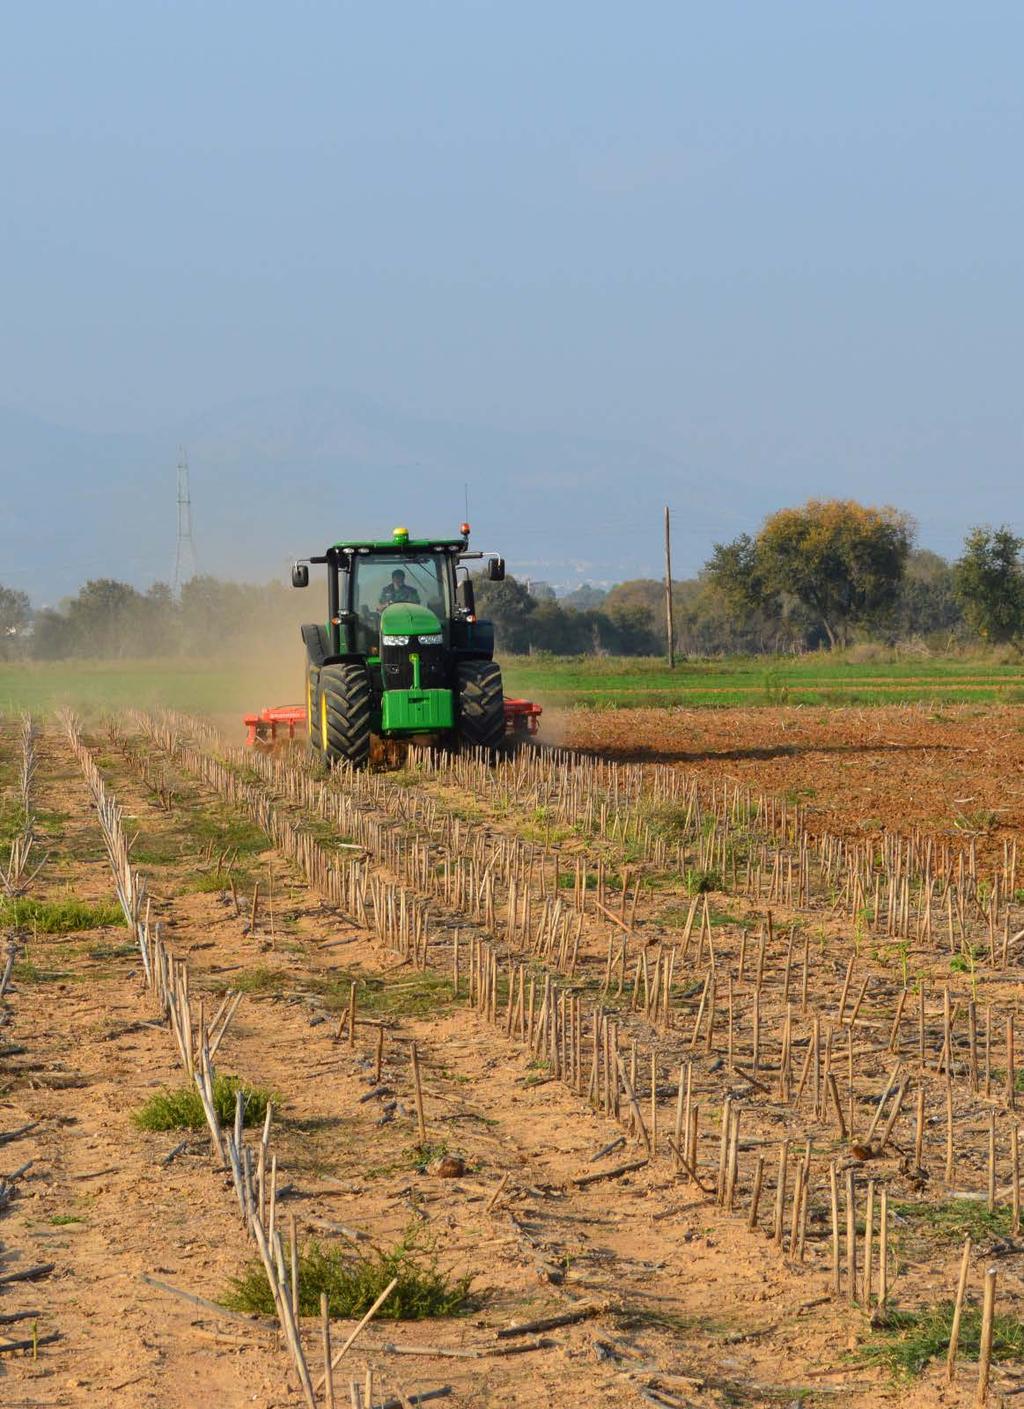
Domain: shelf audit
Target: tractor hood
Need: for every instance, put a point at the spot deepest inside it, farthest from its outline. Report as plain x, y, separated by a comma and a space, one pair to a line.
408, 619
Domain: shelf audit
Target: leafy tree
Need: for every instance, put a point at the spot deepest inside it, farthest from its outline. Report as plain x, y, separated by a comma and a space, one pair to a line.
105, 620
51, 635
636, 613
736, 570
509, 605
927, 604
990, 583
640, 593
584, 598
550, 628
542, 591
843, 562
709, 622
15, 615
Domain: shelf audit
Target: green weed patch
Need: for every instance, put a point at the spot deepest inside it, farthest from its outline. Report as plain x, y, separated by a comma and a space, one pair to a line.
906, 1341
59, 916
353, 1281
954, 1219
181, 1109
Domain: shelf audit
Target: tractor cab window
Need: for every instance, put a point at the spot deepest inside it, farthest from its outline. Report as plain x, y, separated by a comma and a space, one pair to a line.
381, 579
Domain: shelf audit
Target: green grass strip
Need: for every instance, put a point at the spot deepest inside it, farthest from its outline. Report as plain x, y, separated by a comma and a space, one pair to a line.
59, 916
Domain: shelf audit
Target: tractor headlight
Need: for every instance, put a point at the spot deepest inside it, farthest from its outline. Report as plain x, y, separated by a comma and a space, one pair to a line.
436, 640
396, 640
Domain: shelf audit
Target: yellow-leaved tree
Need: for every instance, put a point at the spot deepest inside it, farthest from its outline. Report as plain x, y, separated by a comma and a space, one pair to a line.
842, 561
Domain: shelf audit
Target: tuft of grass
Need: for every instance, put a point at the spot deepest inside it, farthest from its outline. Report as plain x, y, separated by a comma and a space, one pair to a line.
671, 820
210, 883
952, 1220
415, 1157
414, 995
775, 691
419, 1156
224, 831
982, 821
113, 951
259, 980
25, 971
151, 849
59, 916
181, 1109
637, 1318
905, 1341
700, 882
60, 1219
352, 1282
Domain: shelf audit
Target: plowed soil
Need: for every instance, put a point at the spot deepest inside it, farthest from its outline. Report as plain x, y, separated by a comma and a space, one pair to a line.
959, 770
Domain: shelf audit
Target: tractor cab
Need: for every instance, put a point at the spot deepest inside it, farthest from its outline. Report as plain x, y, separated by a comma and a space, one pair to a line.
379, 581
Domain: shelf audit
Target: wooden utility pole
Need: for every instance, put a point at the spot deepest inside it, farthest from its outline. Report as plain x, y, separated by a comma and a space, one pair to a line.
669, 624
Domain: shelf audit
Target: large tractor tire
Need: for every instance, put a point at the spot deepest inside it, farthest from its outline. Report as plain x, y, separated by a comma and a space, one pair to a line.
344, 705
480, 704
313, 709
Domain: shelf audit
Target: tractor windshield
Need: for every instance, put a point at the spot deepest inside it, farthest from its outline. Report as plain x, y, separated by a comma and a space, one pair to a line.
381, 579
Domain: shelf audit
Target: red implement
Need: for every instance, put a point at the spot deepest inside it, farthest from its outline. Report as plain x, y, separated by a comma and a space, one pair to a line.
522, 717
269, 727
284, 723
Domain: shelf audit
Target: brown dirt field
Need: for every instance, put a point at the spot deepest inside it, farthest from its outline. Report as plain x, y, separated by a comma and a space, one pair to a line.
646, 1245
684, 1291
954, 771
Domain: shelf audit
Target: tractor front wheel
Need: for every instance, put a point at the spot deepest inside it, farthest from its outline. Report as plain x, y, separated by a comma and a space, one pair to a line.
481, 704
343, 697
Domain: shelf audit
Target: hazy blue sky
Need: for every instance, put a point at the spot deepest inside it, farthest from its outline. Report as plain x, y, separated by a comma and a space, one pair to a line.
781, 242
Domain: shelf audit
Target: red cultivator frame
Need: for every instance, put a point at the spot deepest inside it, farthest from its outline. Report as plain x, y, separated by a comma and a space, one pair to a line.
522, 717
274, 726
284, 723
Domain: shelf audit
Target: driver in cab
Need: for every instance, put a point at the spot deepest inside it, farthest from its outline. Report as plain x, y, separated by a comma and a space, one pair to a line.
397, 591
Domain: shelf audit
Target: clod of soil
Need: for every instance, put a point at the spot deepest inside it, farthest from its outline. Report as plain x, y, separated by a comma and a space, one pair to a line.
448, 1167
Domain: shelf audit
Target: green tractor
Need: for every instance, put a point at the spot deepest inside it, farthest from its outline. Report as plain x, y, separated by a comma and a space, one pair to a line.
402, 655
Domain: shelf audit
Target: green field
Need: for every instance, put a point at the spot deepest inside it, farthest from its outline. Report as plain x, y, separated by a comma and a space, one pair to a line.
228, 689
758, 680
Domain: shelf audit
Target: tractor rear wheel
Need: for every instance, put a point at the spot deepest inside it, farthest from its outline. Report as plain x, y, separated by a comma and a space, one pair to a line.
481, 704
313, 709
344, 705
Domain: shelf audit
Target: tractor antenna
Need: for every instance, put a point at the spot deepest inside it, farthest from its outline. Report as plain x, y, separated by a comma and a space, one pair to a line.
465, 502
185, 564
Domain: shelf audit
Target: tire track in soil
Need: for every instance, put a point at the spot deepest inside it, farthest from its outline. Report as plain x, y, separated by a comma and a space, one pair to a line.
95, 1052
703, 1296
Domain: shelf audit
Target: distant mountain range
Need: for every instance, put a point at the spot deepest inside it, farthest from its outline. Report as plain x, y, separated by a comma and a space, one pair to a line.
280, 476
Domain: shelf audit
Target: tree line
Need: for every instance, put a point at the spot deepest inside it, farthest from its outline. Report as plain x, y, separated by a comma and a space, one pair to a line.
824, 575
109, 620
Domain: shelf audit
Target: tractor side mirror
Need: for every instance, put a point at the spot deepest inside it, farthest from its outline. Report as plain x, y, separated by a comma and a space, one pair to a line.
300, 575
495, 569
466, 599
